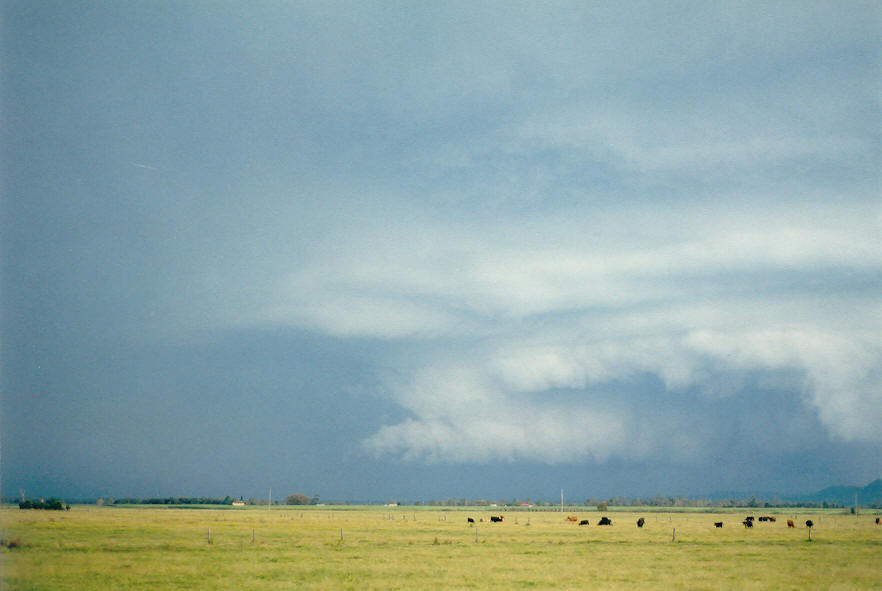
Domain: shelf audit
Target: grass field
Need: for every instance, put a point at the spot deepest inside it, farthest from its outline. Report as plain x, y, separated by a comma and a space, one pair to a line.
115, 548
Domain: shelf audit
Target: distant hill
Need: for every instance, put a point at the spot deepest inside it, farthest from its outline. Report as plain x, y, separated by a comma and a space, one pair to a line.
844, 495
841, 495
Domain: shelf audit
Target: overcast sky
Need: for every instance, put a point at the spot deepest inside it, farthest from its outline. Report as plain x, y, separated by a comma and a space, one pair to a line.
426, 250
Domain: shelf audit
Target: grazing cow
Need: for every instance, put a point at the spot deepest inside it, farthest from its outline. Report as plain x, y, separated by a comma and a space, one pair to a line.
640, 522
495, 519
790, 523
748, 522
471, 520
718, 524
879, 521
770, 518
572, 518
809, 523
583, 522
763, 518
604, 521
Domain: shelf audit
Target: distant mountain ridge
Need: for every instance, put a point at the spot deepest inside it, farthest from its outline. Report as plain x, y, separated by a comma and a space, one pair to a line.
842, 495
845, 495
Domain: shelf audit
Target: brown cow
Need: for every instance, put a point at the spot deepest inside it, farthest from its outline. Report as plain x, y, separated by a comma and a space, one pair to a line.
572, 518
790, 523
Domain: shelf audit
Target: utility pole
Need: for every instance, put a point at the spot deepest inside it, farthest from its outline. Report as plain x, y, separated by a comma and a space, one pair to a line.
561, 500
269, 502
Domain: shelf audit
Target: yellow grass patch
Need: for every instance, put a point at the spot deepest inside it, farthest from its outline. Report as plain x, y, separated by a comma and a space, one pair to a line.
378, 548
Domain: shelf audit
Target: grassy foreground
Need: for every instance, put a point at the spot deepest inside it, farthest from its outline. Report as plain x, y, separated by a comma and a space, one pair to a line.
379, 548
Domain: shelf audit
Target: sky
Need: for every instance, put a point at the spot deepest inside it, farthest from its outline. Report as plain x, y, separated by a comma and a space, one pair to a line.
414, 251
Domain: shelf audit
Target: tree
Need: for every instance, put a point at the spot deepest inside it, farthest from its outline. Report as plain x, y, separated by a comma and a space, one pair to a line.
298, 499
52, 504
601, 506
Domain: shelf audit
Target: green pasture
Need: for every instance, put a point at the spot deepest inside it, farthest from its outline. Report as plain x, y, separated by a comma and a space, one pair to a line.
115, 548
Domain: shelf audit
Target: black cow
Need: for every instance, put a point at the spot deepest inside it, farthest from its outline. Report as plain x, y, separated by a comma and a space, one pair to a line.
583, 522
879, 521
749, 518
604, 521
809, 523
496, 519
640, 522
748, 522
471, 520
718, 524
762, 518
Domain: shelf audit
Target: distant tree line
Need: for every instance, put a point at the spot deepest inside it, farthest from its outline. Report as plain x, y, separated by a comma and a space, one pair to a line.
512, 503
174, 501
51, 504
296, 499
752, 502
657, 501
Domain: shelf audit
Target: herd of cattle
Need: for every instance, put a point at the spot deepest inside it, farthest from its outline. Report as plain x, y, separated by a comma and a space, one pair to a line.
748, 521
603, 521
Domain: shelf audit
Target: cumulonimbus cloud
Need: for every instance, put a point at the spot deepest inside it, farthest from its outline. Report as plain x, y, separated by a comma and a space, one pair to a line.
518, 325
512, 410
701, 216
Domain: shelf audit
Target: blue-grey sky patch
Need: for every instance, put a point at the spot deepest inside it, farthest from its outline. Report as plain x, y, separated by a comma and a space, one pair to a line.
392, 250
